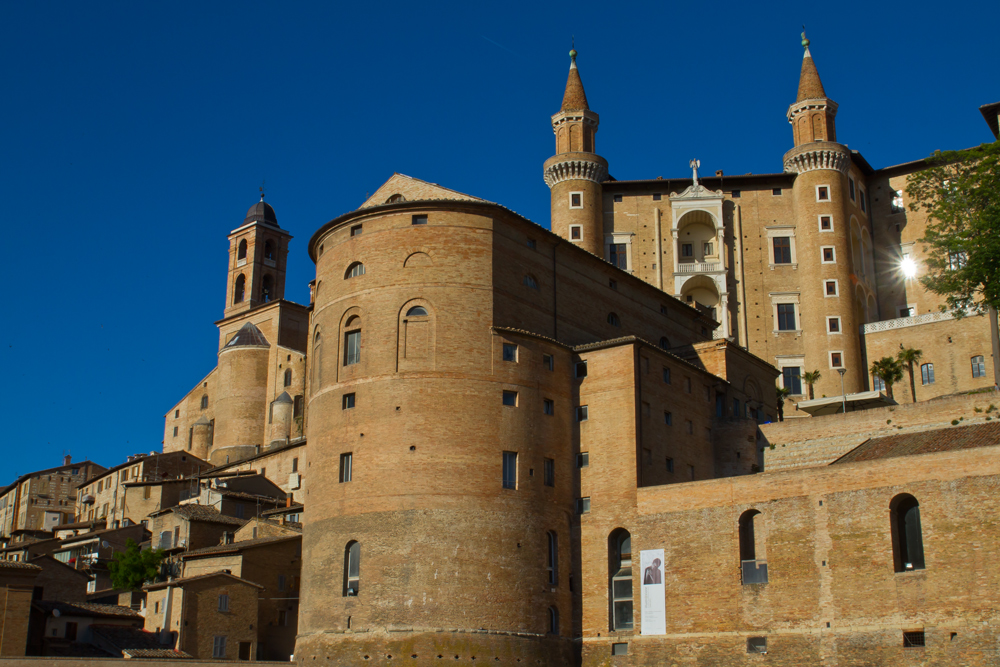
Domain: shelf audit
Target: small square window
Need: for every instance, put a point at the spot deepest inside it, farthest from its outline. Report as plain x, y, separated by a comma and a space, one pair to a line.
548, 361
583, 459
914, 639
549, 406
668, 418
825, 223
736, 194
356, 230
576, 200
532, 244
618, 199
619, 649
419, 220
670, 464
756, 644
829, 256
582, 414
612, 283
549, 472
833, 324
836, 360
687, 250
510, 398
510, 352
776, 192
580, 369
657, 196
830, 287
348, 401
583, 505
575, 232
822, 193
709, 249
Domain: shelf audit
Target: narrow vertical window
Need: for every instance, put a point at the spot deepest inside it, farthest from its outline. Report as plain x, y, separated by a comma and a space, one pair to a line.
552, 562
907, 535
346, 467
620, 544
549, 472
510, 470
352, 569
352, 348
269, 250
978, 366
288, 380
553, 621
754, 571
927, 374
224, 602
549, 406
266, 289
241, 252
317, 363
239, 289
509, 352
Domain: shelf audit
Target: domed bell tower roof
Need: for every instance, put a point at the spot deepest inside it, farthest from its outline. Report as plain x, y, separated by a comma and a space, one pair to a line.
261, 212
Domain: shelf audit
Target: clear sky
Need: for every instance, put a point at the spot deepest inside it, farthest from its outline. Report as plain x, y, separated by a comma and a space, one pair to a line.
134, 136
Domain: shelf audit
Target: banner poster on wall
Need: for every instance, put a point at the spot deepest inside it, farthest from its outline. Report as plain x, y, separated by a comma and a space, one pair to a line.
654, 605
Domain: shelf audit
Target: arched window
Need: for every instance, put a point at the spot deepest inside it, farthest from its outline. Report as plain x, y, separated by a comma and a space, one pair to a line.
239, 289
352, 341
417, 311
529, 281
288, 377
978, 366
395, 198
317, 361
754, 571
907, 537
927, 374
620, 579
269, 250
352, 568
354, 270
553, 621
664, 343
204, 401
552, 562
613, 320
241, 252
266, 289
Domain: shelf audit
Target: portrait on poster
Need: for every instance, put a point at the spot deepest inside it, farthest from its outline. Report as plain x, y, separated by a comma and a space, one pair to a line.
654, 616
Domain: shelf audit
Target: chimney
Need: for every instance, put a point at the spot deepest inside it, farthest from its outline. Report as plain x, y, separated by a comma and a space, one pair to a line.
288, 501
67, 460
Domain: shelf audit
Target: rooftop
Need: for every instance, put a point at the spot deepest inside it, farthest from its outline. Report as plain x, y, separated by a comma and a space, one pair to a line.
237, 547
205, 513
187, 580
86, 609
925, 442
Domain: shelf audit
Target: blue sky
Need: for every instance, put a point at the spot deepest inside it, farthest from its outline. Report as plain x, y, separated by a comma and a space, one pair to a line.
134, 137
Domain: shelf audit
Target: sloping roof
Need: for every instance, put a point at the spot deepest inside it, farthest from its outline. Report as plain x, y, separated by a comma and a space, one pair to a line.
86, 609
810, 87
248, 336
18, 565
991, 112
574, 98
411, 188
290, 509
136, 642
187, 580
243, 495
237, 547
195, 512
924, 442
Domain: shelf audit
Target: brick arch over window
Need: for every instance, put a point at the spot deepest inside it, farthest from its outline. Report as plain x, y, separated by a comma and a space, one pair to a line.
416, 335
351, 359
239, 289
354, 270
241, 251
620, 593
418, 259
269, 253
907, 533
316, 379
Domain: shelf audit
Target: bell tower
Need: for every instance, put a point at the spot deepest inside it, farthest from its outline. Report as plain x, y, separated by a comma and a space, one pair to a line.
258, 251
813, 112
575, 173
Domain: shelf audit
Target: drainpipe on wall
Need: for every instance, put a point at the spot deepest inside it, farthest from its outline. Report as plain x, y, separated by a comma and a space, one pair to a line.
659, 248
742, 305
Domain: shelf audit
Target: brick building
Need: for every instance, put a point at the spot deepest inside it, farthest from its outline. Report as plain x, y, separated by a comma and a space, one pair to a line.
39, 501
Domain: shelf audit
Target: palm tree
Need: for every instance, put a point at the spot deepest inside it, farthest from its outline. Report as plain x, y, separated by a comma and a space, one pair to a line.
782, 394
810, 379
890, 370
909, 356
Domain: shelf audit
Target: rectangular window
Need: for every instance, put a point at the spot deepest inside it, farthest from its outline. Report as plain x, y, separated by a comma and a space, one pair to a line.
864, 201
825, 223
720, 405
878, 384
346, 467
927, 374
532, 244
833, 325
736, 194
657, 196
897, 203
419, 220
830, 287
549, 406
295, 465
836, 360
583, 459
510, 470
223, 602
822, 193
691, 471
352, 347
782, 250
736, 407
756, 644
509, 352
580, 369
581, 413
687, 385
978, 366
549, 471
689, 425
786, 317
612, 283
356, 230
666, 375
776, 192
575, 232
281, 582
791, 381
549, 362
510, 398
668, 418
618, 199
914, 639
687, 250
670, 464
828, 254
619, 256
583, 505
175, 435
708, 249
576, 200
348, 401
219, 647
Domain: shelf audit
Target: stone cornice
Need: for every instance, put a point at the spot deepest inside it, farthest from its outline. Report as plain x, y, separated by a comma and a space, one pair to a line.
590, 168
818, 155
820, 103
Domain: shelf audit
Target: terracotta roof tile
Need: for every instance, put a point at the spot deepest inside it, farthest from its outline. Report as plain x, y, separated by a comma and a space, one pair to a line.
239, 546
574, 98
924, 442
86, 609
810, 87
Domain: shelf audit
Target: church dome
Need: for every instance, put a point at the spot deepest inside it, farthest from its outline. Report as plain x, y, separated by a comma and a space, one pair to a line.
261, 212
248, 336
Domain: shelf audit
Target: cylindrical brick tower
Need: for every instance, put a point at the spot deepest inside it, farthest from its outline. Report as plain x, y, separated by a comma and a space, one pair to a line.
575, 173
201, 438
281, 418
241, 407
417, 548
823, 238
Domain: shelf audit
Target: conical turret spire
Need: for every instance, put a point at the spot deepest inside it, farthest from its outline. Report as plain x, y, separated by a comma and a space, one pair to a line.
574, 98
810, 87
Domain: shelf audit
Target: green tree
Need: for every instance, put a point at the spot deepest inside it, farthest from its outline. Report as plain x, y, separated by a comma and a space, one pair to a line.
890, 370
132, 568
960, 192
811, 378
781, 394
909, 356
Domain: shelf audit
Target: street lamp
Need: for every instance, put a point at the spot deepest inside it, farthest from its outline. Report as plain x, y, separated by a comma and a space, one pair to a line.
842, 392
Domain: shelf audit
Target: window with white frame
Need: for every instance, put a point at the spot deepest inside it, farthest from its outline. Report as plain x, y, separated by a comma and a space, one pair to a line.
791, 370
833, 324
575, 233
826, 223
822, 193
831, 287
927, 374
836, 359
781, 245
576, 200
978, 366
828, 254
785, 309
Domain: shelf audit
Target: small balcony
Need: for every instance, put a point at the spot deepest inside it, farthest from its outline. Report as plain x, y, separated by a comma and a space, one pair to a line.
699, 267
754, 572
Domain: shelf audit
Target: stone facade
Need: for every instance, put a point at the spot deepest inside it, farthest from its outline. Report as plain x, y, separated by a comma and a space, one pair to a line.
41, 500
17, 582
